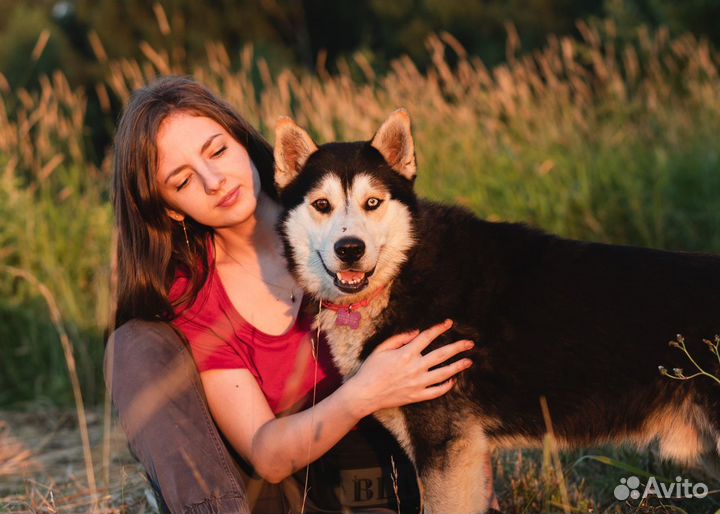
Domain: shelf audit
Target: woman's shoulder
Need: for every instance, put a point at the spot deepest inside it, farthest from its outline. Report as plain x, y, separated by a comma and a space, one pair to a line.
202, 307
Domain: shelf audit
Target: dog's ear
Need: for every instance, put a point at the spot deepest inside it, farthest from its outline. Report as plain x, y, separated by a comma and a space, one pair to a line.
394, 141
293, 146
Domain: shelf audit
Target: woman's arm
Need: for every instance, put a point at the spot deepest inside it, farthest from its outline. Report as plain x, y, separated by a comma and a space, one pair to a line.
394, 374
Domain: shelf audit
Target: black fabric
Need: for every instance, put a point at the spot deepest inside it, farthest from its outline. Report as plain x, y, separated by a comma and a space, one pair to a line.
357, 474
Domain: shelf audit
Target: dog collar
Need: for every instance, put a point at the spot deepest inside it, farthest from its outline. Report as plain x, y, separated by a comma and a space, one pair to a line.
348, 315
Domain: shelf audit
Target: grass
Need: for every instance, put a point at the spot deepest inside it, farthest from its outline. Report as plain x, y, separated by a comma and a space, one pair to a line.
42, 470
587, 138
42, 467
595, 138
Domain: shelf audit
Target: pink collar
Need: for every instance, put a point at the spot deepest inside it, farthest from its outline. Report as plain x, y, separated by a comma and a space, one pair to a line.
348, 315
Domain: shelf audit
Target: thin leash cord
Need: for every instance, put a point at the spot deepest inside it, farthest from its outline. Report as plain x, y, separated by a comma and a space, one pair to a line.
314, 346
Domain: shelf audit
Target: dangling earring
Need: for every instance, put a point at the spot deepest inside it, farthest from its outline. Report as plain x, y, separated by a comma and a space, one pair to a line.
187, 241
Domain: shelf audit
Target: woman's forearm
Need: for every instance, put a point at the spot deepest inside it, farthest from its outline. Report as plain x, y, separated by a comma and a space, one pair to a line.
396, 373
284, 445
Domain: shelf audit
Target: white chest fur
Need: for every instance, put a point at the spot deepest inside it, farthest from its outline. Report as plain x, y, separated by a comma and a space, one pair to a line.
394, 421
346, 344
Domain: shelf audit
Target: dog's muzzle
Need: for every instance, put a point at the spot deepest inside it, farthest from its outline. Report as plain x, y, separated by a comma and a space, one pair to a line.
349, 250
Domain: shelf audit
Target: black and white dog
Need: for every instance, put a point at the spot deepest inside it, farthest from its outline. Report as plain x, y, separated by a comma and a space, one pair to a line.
584, 325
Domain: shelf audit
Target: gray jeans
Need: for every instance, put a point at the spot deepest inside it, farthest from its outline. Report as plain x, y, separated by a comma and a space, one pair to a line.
161, 406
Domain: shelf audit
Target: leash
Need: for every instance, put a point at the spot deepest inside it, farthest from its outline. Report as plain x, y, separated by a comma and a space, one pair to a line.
314, 347
346, 315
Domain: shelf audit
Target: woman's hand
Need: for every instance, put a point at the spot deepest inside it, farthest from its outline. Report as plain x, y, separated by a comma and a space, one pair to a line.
397, 373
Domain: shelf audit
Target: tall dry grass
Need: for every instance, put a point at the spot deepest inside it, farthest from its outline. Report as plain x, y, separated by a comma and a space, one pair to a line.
591, 137
56, 225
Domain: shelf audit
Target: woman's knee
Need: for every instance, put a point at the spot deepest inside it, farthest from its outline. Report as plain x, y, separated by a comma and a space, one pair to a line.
141, 349
147, 369
158, 396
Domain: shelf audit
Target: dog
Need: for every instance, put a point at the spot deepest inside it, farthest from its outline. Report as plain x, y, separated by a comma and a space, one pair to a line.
583, 325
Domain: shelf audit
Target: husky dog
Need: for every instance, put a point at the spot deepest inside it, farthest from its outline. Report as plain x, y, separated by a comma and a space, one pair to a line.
584, 325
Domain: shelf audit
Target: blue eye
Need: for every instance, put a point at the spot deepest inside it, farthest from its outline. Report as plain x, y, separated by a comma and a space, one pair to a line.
372, 203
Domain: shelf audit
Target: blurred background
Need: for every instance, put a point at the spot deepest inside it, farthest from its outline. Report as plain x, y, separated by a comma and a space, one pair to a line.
595, 119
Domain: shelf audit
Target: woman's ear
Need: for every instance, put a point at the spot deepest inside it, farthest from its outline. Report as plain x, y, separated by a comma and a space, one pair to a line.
175, 215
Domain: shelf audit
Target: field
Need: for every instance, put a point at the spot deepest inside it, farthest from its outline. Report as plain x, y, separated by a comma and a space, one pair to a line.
601, 138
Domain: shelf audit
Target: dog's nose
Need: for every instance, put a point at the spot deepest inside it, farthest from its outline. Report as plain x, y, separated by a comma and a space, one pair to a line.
349, 249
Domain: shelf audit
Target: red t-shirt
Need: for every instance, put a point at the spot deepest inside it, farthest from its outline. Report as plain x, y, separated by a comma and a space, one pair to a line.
284, 365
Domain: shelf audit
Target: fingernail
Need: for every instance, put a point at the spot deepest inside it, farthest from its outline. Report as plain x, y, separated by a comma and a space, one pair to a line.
448, 322
469, 344
468, 363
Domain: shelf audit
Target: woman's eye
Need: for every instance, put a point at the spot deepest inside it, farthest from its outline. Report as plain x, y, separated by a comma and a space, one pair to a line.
219, 152
372, 203
183, 184
321, 205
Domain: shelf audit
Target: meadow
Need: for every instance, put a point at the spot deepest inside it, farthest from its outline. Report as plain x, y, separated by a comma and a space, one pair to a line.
599, 137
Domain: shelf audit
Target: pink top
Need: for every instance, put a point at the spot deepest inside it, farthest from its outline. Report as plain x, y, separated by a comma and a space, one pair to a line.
284, 365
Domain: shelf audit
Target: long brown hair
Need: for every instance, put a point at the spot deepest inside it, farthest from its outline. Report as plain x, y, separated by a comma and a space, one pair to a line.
151, 247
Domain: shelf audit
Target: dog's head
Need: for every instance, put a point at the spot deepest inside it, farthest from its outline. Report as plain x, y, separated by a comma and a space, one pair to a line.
348, 208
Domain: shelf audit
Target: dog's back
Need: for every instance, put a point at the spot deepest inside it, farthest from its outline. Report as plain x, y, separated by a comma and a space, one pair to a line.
585, 325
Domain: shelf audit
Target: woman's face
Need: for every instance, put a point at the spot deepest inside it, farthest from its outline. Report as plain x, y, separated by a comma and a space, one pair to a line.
204, 173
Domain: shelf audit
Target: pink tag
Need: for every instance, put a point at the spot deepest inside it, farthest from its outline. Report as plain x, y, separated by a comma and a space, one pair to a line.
348, 318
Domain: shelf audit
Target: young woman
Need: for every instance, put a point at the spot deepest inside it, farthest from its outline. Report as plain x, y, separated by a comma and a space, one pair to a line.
196, 210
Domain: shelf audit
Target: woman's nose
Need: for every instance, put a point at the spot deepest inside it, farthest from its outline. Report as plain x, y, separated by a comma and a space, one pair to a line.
213, 180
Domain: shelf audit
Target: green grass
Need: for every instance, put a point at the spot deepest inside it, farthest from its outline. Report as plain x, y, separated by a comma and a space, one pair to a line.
526, 482
61, 236
575, 139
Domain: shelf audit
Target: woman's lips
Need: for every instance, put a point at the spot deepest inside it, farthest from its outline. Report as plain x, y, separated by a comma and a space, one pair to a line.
229, 199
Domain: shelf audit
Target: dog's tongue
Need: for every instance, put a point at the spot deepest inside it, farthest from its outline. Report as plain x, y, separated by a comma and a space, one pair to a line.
350, 276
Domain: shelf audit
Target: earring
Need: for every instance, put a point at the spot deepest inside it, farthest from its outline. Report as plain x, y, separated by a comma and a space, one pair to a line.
187, 241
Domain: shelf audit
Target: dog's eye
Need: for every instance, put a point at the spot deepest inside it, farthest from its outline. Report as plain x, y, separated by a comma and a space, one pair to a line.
321, 205
372, 203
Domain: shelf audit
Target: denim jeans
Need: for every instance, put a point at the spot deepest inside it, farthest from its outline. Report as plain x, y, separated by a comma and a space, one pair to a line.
157, 393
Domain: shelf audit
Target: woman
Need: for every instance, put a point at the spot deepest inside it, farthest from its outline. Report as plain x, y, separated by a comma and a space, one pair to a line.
196, 210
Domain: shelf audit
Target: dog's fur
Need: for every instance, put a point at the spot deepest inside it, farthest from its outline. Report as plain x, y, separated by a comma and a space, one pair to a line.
584, 325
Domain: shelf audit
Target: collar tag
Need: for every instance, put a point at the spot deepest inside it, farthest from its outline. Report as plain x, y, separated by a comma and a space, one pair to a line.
348, 318
349, 315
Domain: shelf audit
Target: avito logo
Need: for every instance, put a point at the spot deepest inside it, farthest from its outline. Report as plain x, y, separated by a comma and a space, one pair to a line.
681, 488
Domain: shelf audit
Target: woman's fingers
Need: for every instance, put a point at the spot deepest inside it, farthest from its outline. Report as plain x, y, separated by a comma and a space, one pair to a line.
398, 340
427, 336
439, 375
444, 353
432, 392
397, 373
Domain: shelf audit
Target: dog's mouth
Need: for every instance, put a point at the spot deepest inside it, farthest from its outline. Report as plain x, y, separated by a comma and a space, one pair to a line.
351, 281
348, 281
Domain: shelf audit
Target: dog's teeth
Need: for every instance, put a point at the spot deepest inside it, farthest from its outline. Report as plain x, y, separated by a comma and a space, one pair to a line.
351, 278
